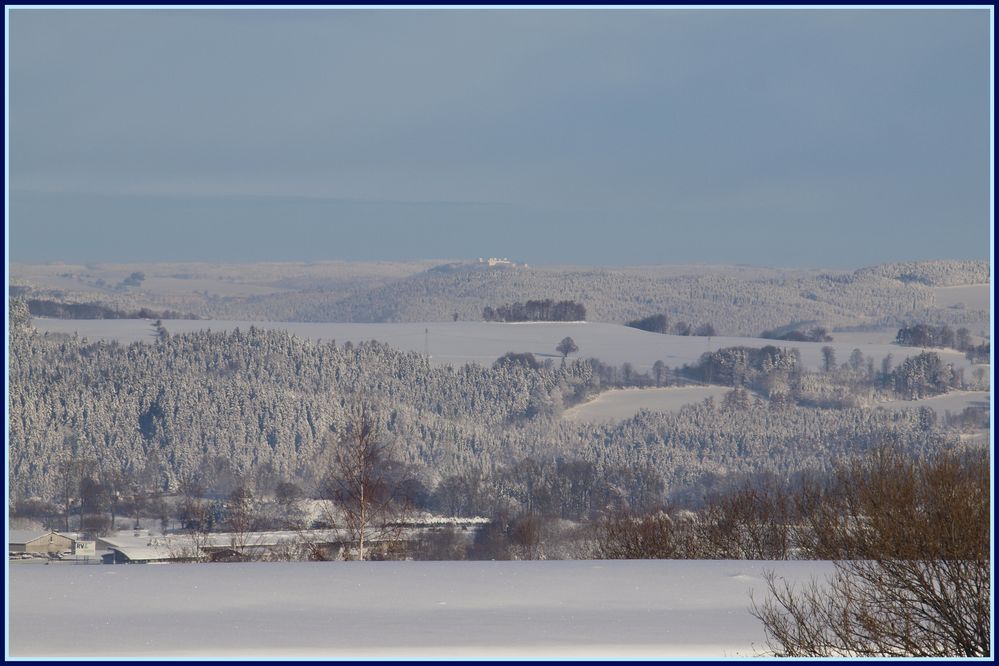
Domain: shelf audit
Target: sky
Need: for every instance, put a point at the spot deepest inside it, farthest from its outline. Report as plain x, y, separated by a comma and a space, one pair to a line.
783, 137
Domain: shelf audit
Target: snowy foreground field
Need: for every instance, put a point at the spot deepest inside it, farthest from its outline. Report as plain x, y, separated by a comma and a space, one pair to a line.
456, 343
576, 609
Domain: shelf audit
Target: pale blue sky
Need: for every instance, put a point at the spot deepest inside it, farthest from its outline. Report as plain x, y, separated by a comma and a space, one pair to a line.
782, 137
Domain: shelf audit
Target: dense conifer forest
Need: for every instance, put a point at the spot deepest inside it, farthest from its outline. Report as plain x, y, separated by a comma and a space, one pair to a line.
226, 407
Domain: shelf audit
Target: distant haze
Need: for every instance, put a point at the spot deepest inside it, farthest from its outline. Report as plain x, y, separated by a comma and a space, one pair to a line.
776, 137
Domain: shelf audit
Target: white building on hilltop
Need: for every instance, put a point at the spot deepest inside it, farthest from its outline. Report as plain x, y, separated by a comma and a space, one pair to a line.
493, 261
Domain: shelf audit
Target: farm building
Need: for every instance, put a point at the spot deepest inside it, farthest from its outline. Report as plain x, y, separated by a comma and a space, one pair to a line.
141, 547
218, 546
39, 541
125, 548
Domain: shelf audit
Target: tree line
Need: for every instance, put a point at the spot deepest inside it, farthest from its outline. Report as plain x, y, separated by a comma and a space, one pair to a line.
539, 310
660, 323
814, 334
778, 374
925, 335
60, 310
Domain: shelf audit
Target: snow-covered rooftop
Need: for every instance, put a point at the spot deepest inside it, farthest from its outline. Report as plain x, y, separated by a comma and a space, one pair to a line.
25, 536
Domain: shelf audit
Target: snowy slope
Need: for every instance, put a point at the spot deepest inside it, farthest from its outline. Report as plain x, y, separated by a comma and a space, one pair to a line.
619, 404
421, 609
954, 402
483, 342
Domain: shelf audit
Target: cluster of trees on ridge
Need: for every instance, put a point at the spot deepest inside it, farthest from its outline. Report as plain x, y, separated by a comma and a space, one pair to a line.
924, 335
660, 323
58, 310
776, 371
814, 334
540, 310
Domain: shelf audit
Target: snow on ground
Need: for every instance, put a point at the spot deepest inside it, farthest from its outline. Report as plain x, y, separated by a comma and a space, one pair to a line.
954, 402
880, 336
657, 608
456, 343
886, 336
972, 296
621, 404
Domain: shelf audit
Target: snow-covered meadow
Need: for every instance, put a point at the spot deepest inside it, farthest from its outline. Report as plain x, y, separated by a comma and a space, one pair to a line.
954, 402
456, 343
643, 608
624, 403
619, 404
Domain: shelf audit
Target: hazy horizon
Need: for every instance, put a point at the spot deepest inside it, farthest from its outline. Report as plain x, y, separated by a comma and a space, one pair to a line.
785, 138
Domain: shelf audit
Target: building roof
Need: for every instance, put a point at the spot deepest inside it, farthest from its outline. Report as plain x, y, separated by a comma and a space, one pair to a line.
148, 548
148, 553
23, 537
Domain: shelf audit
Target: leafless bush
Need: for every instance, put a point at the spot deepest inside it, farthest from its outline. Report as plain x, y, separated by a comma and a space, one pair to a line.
658, 535
914, 575
752, 522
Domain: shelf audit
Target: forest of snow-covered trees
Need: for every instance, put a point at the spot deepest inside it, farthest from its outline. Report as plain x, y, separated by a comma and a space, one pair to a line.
258, 406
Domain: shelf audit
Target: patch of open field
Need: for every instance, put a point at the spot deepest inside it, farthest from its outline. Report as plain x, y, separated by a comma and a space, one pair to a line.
953, 402
652, 608
621, 404
881, 336
971, 296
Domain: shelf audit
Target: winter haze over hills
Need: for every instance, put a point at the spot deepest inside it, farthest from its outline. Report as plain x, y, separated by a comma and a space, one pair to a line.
837, 138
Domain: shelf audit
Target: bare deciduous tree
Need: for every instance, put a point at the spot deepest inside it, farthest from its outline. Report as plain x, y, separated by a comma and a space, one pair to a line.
914, 576
362, 496
196, 519
241, 519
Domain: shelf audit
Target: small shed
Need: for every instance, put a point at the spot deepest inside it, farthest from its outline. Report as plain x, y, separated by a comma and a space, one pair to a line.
39, 541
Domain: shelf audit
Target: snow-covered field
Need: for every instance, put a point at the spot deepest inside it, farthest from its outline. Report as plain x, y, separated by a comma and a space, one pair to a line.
624, 403
972, 296
954, 402
619, 404
580, 609
457, 343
